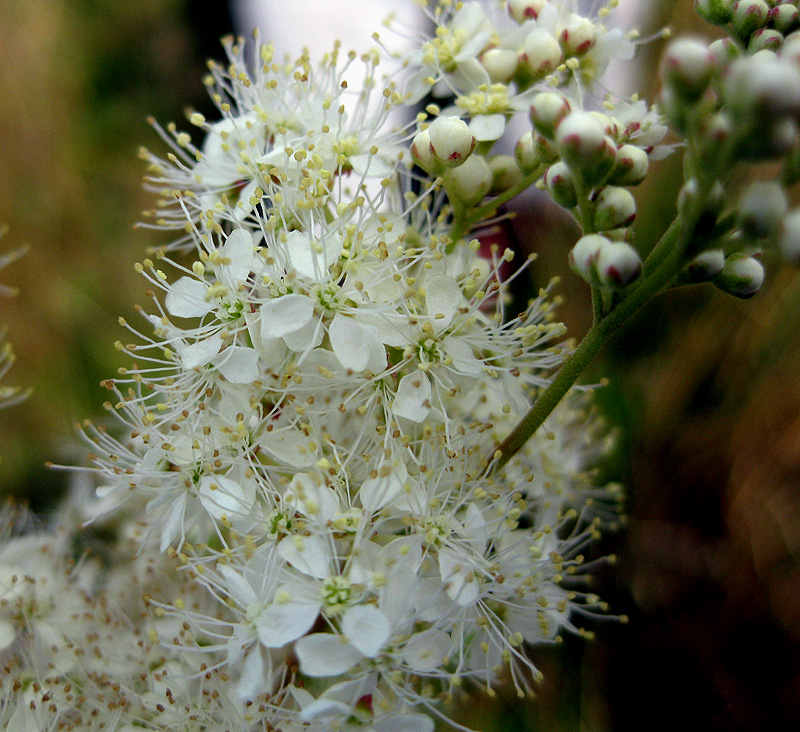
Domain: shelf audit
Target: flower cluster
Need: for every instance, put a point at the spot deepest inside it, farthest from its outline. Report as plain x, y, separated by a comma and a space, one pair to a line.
304, 520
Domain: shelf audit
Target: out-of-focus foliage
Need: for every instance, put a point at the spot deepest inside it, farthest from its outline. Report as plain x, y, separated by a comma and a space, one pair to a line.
78, 82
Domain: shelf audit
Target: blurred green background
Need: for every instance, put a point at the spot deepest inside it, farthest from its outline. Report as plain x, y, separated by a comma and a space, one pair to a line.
704, 390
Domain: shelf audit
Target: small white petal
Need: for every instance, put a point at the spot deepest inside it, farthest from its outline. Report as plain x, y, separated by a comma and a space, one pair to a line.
367, 628
187, 299
8, 634
306, 338
442, 297
281, 623
201, 352
413, 397
239, 365
309, 554
252, 680
348, 340
326, 654
458, 577
487, 126
238, 248
285, 314
312, 258
222, 496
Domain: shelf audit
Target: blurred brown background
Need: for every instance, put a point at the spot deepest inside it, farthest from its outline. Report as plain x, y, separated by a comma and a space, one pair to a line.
704, 393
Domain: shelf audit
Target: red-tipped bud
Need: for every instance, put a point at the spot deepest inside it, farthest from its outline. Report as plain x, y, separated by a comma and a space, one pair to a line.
470, 181
583, 256
526, 154
522, 10
546, 112
541, 53
742, 276
560, 182
618, 265
761, 209
451, 141
686, 67
613, 208
631, 166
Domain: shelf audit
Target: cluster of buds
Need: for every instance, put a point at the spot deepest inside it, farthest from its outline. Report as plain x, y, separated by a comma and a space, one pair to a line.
756, 23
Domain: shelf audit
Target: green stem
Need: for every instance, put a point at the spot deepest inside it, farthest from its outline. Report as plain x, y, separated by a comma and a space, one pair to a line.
600, 332
463, 223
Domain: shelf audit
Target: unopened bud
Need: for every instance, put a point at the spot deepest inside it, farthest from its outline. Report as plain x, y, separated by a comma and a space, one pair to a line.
578, 35
614, 208
701, 212
546, 112
581, 140
686, 67
451, 140
742, 276
505, 173
526, 154
723, 51
771, 141
765, 39
717, 12
789, 236
470, 181
618, 265
714, 137
631, 166
541, 53
560, 182
784, 17
748, 17
421, 151
500, 64
761, 209
522, 10
760, 89
705, 267
546, 150
583, 256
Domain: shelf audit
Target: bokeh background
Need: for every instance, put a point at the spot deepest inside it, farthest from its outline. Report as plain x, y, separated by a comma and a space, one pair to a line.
704, 390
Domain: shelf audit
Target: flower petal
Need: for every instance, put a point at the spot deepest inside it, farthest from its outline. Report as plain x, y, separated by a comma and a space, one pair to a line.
413, 398
326, 654
367, 628
285, 314
187, 299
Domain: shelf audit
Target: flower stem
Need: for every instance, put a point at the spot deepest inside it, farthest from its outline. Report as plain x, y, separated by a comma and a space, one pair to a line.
669, 256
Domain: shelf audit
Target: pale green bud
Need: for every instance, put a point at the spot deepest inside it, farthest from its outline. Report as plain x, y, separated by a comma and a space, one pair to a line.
526, 154
761, 209
790, 51
560, 182
686, 67
765, 39
717, 12
500, 64
784, 17
748, 17
614, 208
582, 143
705, 267
742, 276
578, 35
547, 110
522, 10
470, 181
505, 173
541, 53
583, 256
723, 51
618, 265
451, 141
762, 89
631, 166
789, 236
546, 150
421, 151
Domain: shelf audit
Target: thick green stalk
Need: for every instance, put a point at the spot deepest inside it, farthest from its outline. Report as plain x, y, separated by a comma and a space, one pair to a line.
670, 254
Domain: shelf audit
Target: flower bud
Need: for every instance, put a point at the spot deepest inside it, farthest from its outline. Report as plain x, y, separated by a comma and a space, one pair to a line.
500, 64
686, 67
451, 141
470, 181
578, 35
505, 173
526, 154
522, 10
631, 166
715, 136
770, 142
723, 51
789, 236
421, 151
761, 209
717, 12
541, 53
705, 267
618, 265
704, 212
742, 276
582, 143
748, 17
784, 17
546, 112
765, 39
560, 182
761, 90
546, 150
614, 208
583, 256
